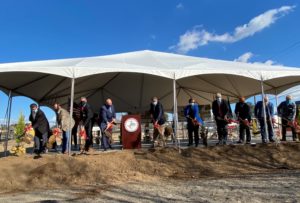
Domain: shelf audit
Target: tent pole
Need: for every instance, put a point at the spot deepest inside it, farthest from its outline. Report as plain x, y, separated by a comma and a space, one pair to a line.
71, 114
254, 100
279, 123
8, 122
175, 113
264, 108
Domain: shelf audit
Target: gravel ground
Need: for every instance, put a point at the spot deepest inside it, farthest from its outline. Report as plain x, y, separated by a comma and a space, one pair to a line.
279, 187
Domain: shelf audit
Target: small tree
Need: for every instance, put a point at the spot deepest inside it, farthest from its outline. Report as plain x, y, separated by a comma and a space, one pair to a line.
19, 129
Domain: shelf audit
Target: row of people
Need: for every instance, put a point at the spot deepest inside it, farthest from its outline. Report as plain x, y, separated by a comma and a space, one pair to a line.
83, 116
286, 110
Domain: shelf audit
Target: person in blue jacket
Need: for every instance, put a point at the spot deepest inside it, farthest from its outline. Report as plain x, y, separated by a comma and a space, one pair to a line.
191, 112
259, 114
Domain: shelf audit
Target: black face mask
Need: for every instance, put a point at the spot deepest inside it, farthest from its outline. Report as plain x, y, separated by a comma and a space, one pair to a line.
83, 103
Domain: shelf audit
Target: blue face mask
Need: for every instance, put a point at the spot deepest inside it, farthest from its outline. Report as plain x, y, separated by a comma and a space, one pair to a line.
288, 101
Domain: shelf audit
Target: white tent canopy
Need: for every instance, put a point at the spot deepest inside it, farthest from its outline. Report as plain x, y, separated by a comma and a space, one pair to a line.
131, 79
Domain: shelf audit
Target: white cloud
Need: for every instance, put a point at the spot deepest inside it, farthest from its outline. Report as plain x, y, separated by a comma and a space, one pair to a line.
179, 6
192, 39
270, 62
244, 58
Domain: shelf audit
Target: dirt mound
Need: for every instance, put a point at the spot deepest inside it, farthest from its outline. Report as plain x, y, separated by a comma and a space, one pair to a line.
55, 171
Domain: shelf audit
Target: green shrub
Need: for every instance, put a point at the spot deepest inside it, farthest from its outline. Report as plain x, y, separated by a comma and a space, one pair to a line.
19, 129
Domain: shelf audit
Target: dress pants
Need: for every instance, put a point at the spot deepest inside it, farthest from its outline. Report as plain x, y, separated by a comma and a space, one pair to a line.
244, 128
222, 130
263, 129
193, 130
284, 127
40, 141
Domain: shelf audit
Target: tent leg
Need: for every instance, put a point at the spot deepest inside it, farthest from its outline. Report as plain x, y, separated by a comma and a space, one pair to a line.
175, 114
279, 123
254, 100
71, 114
264, 108
8, 123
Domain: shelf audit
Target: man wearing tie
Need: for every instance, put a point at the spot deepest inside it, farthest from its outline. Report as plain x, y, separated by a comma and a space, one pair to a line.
107, 118
41, 127
259, 114
220, 110
191, 112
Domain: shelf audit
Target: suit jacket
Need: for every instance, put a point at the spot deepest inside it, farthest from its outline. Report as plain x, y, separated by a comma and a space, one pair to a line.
242, 110
40, 123
86, 114
259, 113
157, 113
107, 114
287, 111
220, 110
192, 112
63, 119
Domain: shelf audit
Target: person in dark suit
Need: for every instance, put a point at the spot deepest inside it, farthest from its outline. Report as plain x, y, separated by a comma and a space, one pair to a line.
158, 120
191, 112
220, 111
86, 115
287, 110
107, 118
41, 127
259, 114
242, 112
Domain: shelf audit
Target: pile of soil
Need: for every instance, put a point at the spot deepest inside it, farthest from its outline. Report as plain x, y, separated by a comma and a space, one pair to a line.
146, 165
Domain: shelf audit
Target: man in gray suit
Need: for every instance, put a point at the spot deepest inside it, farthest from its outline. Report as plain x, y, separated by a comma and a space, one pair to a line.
63, 120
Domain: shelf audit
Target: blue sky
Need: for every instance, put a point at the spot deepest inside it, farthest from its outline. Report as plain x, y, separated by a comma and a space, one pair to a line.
251, 31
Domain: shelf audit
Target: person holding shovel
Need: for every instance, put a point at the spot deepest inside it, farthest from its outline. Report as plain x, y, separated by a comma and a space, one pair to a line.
107, 118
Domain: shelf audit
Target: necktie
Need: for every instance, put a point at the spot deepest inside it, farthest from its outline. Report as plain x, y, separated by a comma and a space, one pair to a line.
220, 110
